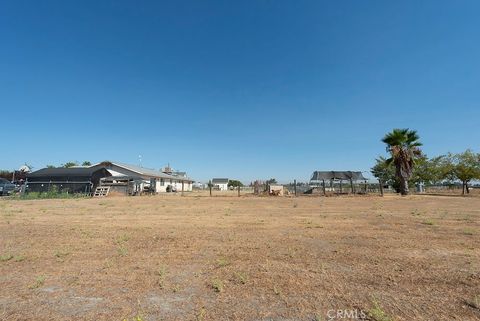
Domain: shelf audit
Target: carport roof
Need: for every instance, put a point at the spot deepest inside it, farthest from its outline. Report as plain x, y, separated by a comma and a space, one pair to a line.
341, 175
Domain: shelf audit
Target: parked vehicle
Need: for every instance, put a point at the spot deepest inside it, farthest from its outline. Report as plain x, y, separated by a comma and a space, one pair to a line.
6, 187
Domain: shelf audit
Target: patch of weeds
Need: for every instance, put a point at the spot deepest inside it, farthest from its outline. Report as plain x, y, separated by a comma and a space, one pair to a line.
428, 222
135, 318
61, 254
161, 273
222, 262
6, 257
468, 232
176, 288
416, 212
123, 238
19, 258
87, 234
241, 277
39, 281
217, 285
276, 290
201, 315
291, 252
377, 313
474, 302
122, 250
295, 205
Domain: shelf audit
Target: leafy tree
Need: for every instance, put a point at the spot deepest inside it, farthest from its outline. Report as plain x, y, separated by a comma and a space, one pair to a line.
428, 171
234, 183
69, 164
464, 167
272, 181
86, 163
383, 170
50, 166
403, 146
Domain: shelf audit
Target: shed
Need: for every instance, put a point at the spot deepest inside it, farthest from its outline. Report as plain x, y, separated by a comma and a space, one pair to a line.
71, 180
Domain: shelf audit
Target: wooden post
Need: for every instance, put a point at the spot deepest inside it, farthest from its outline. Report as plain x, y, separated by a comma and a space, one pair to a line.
183, 187
366, 188
210, 187
295, 186
341, 186
351, 185
238, 188
324, 190
381, 186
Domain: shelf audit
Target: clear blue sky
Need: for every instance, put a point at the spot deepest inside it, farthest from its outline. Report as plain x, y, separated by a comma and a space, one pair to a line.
244, 89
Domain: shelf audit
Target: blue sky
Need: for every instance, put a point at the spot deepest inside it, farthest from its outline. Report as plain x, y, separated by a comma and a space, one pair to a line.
245, 89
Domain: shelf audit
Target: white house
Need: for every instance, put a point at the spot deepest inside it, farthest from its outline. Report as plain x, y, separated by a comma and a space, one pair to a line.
220, 184
156, 181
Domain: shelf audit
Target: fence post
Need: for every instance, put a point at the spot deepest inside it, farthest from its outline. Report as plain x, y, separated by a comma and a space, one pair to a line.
295, 186
182, 187
210, 187
352, 187
381, 186
238, 188
366, 188
324, 189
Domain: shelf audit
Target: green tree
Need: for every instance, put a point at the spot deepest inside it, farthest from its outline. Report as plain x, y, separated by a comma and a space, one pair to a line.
428, 171
403, 146
272, 181
69, 164
86, 163
50, 166
385, 172
234, 183
464, 167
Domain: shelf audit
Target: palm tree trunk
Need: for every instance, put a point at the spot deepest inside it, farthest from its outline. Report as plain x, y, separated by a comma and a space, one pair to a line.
403, 186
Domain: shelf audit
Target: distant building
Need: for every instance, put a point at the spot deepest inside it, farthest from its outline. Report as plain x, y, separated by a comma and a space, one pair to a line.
220, 183
123, 178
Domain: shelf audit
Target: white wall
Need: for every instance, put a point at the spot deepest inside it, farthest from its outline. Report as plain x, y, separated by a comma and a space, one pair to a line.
187, 186
222, 187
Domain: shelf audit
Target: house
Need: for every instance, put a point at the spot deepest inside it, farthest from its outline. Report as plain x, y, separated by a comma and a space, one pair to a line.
144, 178
123, 178
220, 183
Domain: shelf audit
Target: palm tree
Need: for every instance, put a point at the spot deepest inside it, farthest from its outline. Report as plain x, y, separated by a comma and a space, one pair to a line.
403, 146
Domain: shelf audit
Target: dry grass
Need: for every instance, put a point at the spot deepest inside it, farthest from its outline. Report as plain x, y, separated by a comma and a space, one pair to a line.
200, 258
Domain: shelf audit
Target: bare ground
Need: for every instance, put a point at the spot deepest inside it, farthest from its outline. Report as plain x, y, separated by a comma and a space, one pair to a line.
229, 258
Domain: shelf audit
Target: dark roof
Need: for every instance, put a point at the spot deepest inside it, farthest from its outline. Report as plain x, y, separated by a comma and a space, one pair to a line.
62, 171
219, 180
343, 175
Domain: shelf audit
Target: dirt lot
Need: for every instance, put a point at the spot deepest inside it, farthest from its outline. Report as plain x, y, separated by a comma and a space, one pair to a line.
249, 258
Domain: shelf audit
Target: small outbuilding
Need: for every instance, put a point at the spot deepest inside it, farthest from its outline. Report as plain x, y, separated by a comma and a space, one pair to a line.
220, 184
71, 180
